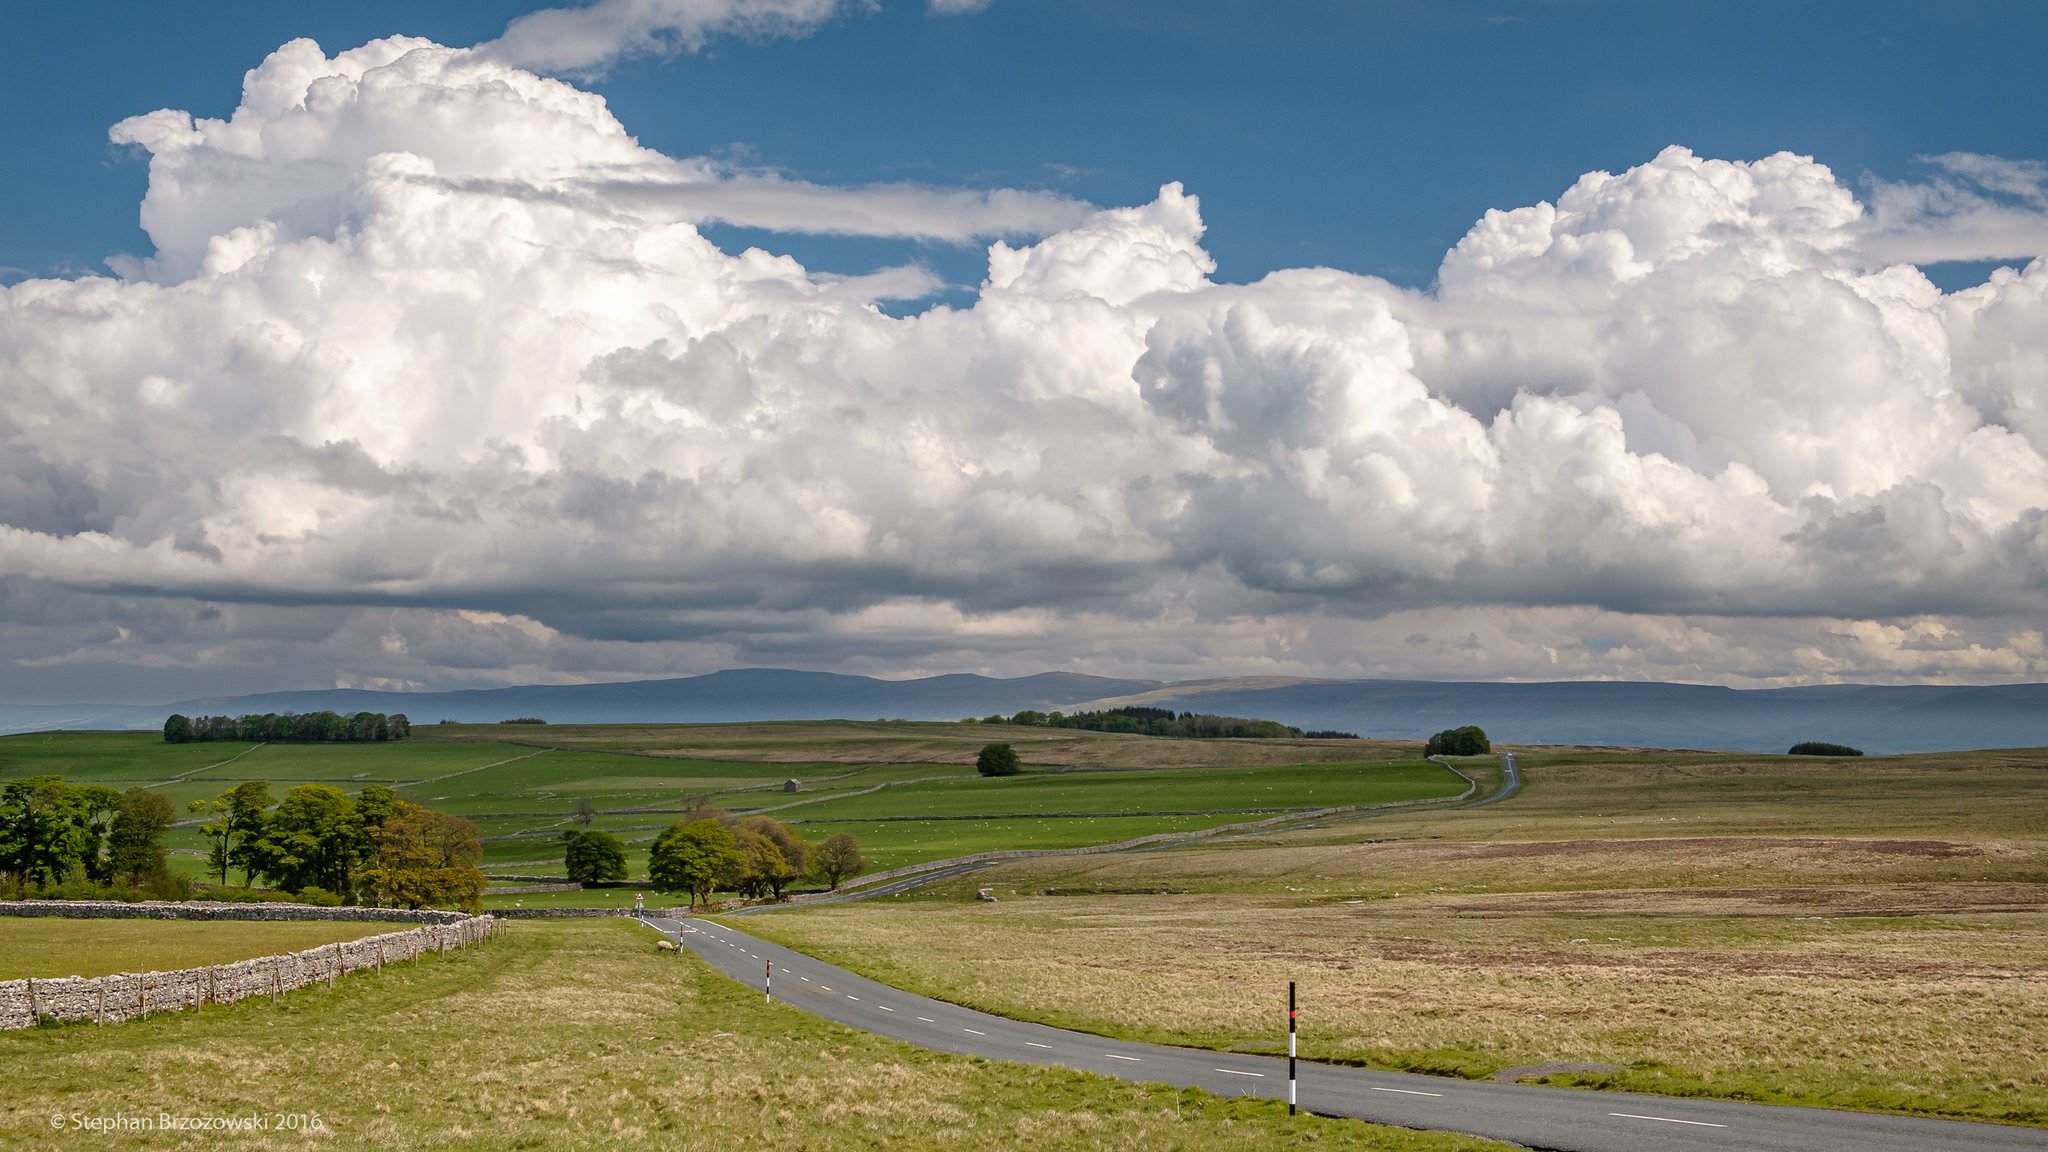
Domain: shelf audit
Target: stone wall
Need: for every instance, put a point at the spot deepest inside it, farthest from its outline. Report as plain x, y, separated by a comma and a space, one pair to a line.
130, 995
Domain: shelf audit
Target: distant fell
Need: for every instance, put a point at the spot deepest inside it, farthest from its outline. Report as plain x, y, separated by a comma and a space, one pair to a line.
1876, 718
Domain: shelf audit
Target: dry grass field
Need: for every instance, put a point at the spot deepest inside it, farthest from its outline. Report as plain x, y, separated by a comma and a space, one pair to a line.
1865, 934
43, 946
578, 1035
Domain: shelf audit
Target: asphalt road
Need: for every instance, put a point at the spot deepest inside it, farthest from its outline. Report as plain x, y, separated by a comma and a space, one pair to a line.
1543, 1118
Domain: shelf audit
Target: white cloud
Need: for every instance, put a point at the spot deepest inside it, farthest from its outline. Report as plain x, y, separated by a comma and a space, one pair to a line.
586, 39
958, 7
400, 368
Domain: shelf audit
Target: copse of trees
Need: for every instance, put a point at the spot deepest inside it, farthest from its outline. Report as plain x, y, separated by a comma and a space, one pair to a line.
1822, 748
323, 845
54, 834
1467, 741
997, 760
710, 851
289, 728
1138, 720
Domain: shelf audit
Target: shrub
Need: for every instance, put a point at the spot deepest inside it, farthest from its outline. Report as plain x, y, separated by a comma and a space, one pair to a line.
997, 760
1823, 748
318, 897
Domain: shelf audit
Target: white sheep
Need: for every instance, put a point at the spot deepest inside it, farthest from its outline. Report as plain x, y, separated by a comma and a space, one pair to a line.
665, 945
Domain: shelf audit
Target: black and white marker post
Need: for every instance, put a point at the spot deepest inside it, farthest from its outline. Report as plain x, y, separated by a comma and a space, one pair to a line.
1290, 1047
768, 982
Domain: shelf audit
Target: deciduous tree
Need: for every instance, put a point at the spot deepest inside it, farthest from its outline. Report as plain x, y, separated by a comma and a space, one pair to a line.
691, 857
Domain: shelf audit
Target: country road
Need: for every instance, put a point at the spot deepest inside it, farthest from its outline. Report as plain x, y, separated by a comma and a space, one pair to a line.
1543, 1118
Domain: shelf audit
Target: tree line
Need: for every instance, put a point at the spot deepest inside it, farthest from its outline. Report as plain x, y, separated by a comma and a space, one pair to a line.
324, 846
289, 728
1143, 721
711, 850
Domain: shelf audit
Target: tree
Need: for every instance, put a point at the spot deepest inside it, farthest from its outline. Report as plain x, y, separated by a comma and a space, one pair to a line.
837, 858
1466, 741
997, 760
135, 844
238, 821
178, 730
43, 835
422, 857
594, 857
314, 838
692, 857
773, 867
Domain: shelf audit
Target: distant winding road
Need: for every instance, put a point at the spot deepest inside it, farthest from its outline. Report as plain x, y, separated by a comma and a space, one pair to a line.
1563, 1119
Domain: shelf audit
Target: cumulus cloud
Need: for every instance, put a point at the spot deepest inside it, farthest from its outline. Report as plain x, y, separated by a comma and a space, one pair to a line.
432, 362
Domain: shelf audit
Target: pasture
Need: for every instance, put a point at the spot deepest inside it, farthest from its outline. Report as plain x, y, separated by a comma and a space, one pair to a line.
1864, 934
46, 946
908, 792
577, 1034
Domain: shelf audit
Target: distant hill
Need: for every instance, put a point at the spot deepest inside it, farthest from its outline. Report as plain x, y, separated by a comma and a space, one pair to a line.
1877, 719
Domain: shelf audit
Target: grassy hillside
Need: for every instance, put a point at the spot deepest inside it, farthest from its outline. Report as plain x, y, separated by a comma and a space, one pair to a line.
579, 1035
908, 792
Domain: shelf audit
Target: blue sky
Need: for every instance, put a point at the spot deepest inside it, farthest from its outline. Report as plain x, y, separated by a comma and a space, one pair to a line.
1364, 136
1540, 340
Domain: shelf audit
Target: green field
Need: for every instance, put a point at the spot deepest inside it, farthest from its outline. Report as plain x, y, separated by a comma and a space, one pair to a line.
43, 946
611, 1046
908, 792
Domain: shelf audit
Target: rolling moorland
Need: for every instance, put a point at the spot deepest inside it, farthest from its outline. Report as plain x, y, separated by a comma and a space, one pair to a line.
1867, 933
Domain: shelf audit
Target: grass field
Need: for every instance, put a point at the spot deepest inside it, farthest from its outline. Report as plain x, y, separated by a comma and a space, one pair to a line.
907, 791
577, 1034
45, 946
1868, 934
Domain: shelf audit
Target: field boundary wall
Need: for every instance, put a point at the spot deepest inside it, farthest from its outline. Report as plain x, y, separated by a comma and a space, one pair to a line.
134, 995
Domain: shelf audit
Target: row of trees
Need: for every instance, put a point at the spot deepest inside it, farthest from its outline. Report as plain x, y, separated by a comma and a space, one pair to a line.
1144, 721
319, 843
713, 851
290, 728
52, 832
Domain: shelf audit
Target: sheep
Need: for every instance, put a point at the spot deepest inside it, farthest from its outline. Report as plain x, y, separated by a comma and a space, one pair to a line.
665, 945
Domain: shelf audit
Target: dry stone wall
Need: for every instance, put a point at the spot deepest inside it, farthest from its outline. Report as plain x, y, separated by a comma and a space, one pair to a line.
132, 995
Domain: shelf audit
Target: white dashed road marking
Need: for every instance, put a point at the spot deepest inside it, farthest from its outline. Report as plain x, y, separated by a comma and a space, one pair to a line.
927, 1019
1114, 1056
1407, 1091
971, 1031
1235, 1072
1666, 1120
1036, 1044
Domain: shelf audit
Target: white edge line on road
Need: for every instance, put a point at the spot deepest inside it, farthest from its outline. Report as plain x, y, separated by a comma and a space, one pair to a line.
1036, 1044
1666, 1120
1114, 1056
1407, 1091
975, 1033
1235, 1072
